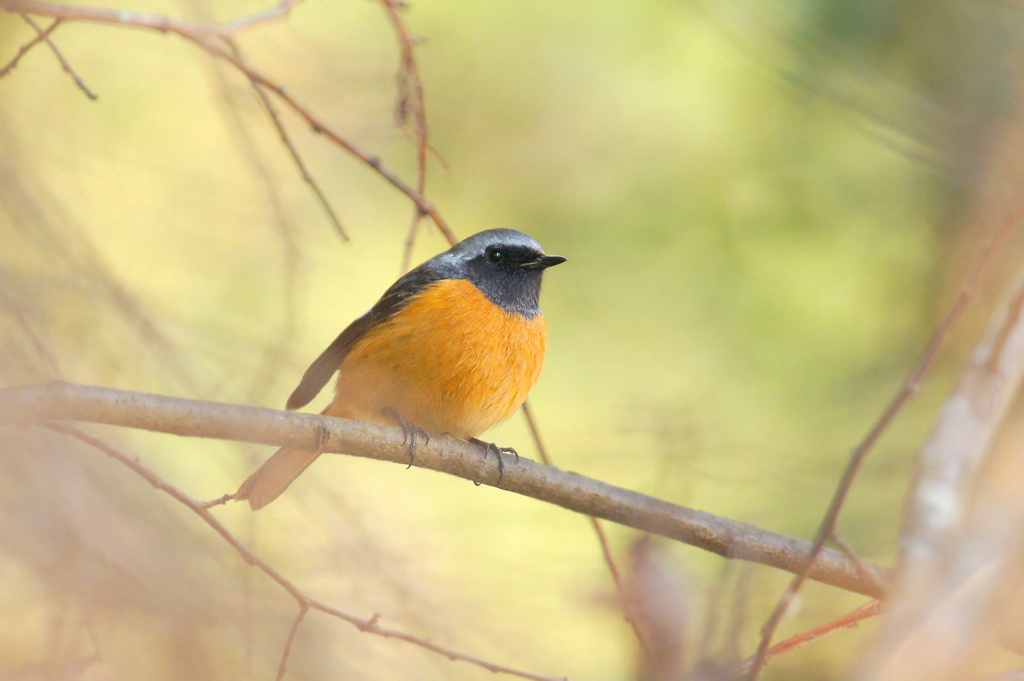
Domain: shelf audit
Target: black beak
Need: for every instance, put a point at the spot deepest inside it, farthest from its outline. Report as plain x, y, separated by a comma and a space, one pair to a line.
543, 262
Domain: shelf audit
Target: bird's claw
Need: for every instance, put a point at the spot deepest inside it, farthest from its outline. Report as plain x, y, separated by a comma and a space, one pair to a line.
498, 451
411, 433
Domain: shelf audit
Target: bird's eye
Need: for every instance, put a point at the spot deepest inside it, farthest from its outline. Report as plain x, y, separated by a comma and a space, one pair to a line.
494, 255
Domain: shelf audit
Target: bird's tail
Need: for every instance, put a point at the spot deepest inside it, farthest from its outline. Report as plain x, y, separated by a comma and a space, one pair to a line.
274, 476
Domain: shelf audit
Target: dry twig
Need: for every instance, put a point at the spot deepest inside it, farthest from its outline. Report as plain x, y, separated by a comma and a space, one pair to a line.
45, 37
283, 666
27, 47
411, 106
625, 603
951, 569
286, 140
850, 619
909, 388
305, 603
67, 401
211, 38
845, 547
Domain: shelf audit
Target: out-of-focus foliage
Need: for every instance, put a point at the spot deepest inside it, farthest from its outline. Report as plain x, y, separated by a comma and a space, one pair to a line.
758, 202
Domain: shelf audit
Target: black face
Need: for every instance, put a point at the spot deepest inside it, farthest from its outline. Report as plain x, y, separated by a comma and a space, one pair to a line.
506, 265
509, 275
509, 257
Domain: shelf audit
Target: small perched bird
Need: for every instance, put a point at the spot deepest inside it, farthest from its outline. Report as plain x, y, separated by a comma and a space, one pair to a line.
454, 347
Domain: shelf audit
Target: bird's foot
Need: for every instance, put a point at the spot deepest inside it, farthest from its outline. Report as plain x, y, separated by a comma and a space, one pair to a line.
411, 433
498, 451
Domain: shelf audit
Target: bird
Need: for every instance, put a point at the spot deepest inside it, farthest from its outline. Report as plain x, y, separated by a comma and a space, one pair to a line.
453, 347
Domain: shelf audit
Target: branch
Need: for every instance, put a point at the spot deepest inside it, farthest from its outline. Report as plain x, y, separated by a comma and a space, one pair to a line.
850, 619
283, 666
195, 418
210, 37
952, 562
27, 47
625, 603
45, 37
845, 547
275, 13
293, 151
952, 455
411, 106
370, 626
909, 388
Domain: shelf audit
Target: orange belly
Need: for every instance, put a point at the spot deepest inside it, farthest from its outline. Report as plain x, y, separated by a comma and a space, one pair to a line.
449, 362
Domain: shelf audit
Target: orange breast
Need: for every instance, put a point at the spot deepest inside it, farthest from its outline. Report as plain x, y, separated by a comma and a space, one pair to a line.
450, 362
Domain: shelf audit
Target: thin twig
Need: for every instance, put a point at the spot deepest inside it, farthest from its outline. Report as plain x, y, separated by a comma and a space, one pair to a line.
219, 501
845, 547
850, 619
275, 13
369, 626
155, 22
276, 350
909, 388
45, 36
40, 37
625, 604
286, 139
206, 37
303, 609
411, 105
159, 413
960, 544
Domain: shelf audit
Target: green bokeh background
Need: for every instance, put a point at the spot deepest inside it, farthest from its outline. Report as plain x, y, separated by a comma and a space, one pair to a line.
759, 204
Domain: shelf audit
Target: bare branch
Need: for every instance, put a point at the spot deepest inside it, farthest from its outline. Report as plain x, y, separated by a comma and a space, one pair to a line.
45, 37
845, 547
281, 668
282, 132
625, 603
209, 37
275, 13
937, 582
276, 350
966, 427
42, 35
411, 106
157, 22
369, 626
909, 388
850, 619
196, 418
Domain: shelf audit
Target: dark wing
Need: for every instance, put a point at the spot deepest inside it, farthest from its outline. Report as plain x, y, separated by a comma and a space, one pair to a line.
331, 359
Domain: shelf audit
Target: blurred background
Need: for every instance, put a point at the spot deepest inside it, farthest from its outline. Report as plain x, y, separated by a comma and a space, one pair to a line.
766, 208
